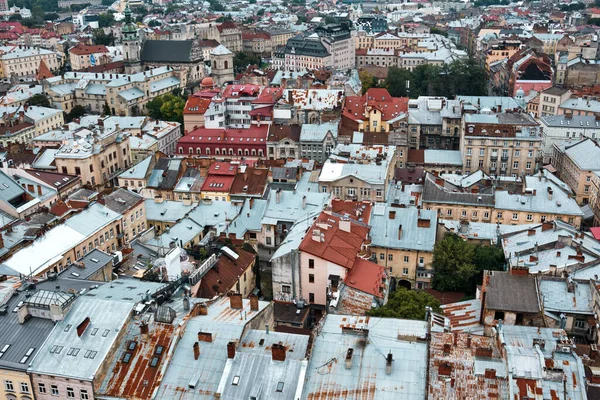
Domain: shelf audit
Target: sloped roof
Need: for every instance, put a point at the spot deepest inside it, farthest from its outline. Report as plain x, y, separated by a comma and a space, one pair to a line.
176, 51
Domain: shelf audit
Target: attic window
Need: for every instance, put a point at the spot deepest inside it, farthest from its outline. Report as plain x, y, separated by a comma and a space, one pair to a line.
67, 328
154, 362
94, 331
126, 358
106, 332
236, 380
73, 352
279, 387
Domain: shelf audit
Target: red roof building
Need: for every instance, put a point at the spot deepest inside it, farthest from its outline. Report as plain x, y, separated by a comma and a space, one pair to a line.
82, 49
230, 143
376, 110
228, 275
193, 112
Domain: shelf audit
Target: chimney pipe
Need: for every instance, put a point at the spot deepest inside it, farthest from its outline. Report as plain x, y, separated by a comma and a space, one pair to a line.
196, 350
400, 232
349, 358
254, 302
235, 301
303, 202
388, 364
278, 352
231, 350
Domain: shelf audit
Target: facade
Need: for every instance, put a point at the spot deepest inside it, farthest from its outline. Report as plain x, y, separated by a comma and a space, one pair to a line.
306, 53
222, 65
283, 142
557, 129
225, 143
551, 99
505, 144
576, 163
131, 206
44, 119
318, 140
84, 56
434, 123
338, 40
24, 61
98, 160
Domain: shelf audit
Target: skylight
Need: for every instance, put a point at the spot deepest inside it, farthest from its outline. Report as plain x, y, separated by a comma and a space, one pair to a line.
236, 380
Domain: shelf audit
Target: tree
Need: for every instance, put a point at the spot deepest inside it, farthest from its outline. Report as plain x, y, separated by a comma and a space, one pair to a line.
396, 81
154, 23
241, 60
105, 20
106, 110
438, 31
367, 80
261, 12
102, 38
594, 21
329, 20
167, 107
76, 112
153, 107
485, 258
407, 304
39, 100
51, 16
453, 264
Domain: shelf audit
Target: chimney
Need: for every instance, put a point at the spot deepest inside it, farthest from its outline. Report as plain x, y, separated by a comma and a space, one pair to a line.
550, 192
235, 301
400, 232
39, 190
144, 328
82, 326
570, 286
423, 223
388, 364
392, 214
196, 350
231, 350
303, 202
251, 203
546, 226
469, 340
490, 373
531, 232
278, 196
253, 302
594, 351
278, 352
349, 358
445, 369
200, 309
205, 337
483, 352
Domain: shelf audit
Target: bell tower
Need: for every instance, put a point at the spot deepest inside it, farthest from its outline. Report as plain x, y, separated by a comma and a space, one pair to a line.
131, 44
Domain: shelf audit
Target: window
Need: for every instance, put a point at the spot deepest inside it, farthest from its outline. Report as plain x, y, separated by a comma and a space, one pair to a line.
515, 216
515, 165
286, 288
421, 260
268, 241
8, 385
311, 263
379, 192
474, 214
486, 215
463, 213
469, 151
323, 189
517, 153
406, 259
382, 256
405, 271
499, 216
571, 220
586, 188
84, 394
528, 165
529, 217
279, 387
311, 297
579, 324
42, 387
311, 278
70, 393
449, 212
54, 390
390, 257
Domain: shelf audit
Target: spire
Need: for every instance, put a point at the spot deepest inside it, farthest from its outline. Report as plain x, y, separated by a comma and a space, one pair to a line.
129, 29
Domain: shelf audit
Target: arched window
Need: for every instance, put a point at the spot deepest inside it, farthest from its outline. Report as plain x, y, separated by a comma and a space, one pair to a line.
240, 152
181, 150
246, 152
260, 153
191, 150
230, 152
208, 150
223, 151
214, 64
217, 151
198, 150
253, 152
226, 64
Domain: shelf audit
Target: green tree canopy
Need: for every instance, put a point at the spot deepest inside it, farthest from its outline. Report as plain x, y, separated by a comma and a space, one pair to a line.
76, 112
105, 20
167, 107
241, 60
39, 100
459, 265
407, 304
367, 80
102, 38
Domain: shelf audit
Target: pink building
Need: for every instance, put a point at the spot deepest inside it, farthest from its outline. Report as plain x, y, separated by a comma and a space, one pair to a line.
333, 247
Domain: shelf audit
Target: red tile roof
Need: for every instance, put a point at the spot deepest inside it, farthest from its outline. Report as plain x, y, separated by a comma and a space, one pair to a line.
223, 168
380, 99
352, 209
254, 134
43, 72
226, 25
196, 105
337, 246
269, 96
253, 181
217, 183
366, 277
83, 49
596, 232
225, 274
234, 91
255, 35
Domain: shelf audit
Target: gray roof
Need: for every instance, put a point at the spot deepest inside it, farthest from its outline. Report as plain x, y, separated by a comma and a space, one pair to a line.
167, 51
508, 292
138, 171
167, 211
558, 299
289, 208
585, 154
434, 193
575, 121
89, 264
490, 102
443, 157
216, 214
165, 173
225, 326
9, 189
384, 230
257, 371
327, 377
318, 132
122, 200
249, 219
57, 356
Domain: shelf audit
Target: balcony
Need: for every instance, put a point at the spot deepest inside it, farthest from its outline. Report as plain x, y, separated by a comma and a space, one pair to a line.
494, 158
504, 158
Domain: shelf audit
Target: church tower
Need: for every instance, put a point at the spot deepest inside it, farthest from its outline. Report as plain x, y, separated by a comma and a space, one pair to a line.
221, 65
131, 44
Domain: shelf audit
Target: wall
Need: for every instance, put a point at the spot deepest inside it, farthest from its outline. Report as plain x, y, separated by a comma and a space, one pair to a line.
17, 378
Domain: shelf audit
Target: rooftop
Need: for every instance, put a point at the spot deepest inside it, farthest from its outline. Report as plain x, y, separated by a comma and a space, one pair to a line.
403, 228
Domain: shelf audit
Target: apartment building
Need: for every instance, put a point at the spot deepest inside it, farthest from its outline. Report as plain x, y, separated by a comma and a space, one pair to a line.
24, 61
551, 99
97, 160
375, 111
564, 128
95, 227
318, 140
402, 240
508, 144
501, 51
338, 41
85, 56
576, 163
131, 206
434, 123
306, 53
43, 119
125, 95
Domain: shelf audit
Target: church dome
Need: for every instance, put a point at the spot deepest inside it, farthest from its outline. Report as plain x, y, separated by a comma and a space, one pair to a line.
207, 82
520, 93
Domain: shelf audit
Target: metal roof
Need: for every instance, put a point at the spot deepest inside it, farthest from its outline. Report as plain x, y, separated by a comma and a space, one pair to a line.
328, 378
384, 232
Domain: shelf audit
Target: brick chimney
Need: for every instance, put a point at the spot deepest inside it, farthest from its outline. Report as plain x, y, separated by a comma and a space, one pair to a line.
445, 369
490, 373
253, 302
205, 337
392, 214
82, 326
278, 352
143, 328
235, 301
231, 350
196, 350
483, 352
